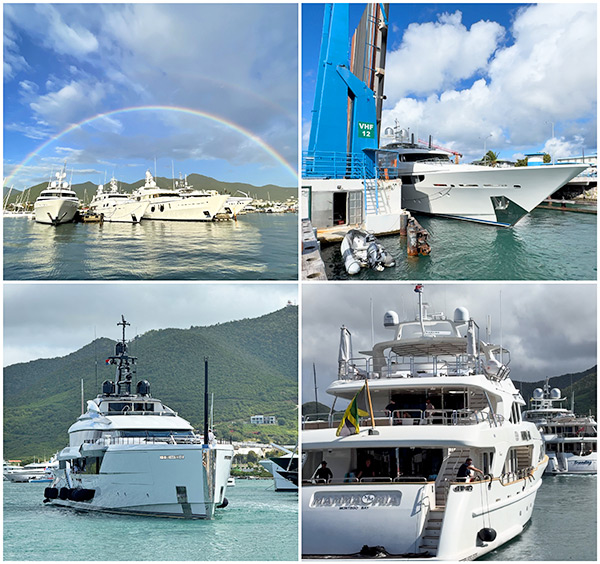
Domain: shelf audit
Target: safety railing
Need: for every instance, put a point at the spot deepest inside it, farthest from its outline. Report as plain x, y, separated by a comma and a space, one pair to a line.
330, 164
409, 367
443, 417
170, 439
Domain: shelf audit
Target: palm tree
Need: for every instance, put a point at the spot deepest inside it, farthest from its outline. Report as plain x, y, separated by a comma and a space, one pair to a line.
491, 158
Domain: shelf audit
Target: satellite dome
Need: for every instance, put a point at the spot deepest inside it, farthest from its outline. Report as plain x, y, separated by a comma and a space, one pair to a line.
538, 393
391, 319
461, 314
555, 393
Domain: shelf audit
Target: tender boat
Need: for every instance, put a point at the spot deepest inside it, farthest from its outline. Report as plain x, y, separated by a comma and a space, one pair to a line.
361, 249
57, 203
432, 183
571, 440
130, 453
421, 404
171, 205
284, 470
116, 206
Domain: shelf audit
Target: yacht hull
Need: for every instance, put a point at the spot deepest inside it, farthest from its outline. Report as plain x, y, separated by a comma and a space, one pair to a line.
185, 209
568, 463
498, 196
55, 211
396, 516
129, 212
281, 484
185, 481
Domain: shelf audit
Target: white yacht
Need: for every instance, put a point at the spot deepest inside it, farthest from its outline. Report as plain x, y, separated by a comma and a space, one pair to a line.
433, 184
424, 402
284, 470
57, 203
130, 453
231, 208
29, 472
571, 440
170, 205
116, 206
235, 205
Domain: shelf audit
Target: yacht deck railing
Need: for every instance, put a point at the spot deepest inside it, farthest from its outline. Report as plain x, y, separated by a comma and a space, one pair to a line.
404, 417
409, 367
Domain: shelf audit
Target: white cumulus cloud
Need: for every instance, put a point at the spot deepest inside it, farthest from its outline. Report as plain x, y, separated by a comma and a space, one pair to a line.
513, 95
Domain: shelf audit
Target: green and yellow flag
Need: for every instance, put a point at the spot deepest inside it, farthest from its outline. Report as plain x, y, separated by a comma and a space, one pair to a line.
358, 408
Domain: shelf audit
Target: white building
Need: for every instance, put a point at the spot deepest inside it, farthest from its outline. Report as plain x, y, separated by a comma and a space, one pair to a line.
263, 420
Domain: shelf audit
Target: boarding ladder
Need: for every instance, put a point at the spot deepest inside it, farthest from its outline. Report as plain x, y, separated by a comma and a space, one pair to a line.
376, 200
433, 526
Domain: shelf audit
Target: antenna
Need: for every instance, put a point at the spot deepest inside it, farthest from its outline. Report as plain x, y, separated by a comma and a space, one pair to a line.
372, 327
206, 400
155, 167
124, 324
82, 412
173, 173
501, 347
95, 362
315, 383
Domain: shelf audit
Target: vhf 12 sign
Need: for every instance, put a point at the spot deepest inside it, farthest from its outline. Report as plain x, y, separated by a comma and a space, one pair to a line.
366, 129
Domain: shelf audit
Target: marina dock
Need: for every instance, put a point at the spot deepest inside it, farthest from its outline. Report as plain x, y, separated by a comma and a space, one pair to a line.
313, 267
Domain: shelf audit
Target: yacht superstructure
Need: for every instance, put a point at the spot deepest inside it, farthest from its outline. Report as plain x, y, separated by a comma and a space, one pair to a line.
57, 203
171, 205
571, 440
130, 453
422, 404
116, 206
432, 183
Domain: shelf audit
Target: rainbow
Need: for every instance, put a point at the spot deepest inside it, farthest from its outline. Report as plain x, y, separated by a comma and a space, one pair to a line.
217, 119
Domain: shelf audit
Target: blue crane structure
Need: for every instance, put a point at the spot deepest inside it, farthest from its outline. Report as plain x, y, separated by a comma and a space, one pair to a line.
346, 114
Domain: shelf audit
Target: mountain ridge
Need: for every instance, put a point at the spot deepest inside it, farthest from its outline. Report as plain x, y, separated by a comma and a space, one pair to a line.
252, 371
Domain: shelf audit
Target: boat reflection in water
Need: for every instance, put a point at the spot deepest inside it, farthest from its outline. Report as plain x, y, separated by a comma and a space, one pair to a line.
422, 404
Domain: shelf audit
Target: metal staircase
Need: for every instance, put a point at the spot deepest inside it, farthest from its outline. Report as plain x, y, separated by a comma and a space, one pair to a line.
376, 200
433, 527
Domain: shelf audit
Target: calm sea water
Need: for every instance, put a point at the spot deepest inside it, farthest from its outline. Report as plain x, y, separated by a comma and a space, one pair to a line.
258, 524
544, 245
257, 246
564, 524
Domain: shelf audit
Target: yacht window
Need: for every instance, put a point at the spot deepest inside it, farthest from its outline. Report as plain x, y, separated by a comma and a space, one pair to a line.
119, 406
377, 465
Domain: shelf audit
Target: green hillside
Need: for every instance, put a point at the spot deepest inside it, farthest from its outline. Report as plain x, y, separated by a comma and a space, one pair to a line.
86, 190
252, 371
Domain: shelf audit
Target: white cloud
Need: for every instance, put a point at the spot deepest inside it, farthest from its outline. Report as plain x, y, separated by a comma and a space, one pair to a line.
63, 38
547, 75
437, 55
70, 103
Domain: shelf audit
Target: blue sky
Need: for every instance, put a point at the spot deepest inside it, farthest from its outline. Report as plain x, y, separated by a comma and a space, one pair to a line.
66, 63
501, 75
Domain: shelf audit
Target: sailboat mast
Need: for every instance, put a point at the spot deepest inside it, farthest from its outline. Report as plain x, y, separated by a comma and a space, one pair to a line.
206, 400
